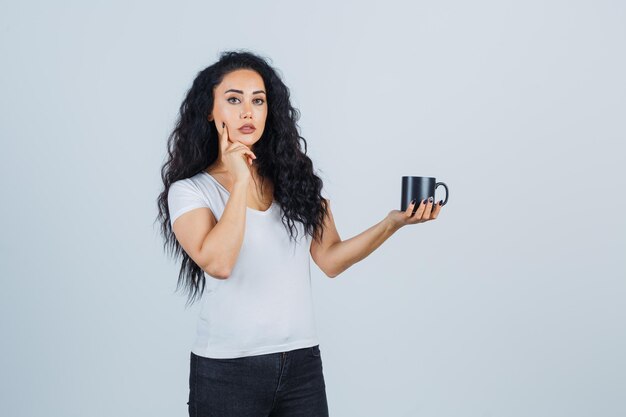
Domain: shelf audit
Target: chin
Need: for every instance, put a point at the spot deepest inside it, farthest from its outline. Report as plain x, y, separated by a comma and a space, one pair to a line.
248, 139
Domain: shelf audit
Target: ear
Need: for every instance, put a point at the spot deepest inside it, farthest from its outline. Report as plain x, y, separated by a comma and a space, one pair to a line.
210, 117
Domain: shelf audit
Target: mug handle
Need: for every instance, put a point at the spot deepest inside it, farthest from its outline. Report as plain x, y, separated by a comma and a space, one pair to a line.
446, 187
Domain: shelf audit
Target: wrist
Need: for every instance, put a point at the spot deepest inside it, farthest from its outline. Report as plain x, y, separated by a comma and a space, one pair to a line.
390, 225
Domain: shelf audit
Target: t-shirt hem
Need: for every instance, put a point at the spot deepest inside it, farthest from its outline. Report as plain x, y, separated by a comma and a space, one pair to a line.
229, 354
184, 210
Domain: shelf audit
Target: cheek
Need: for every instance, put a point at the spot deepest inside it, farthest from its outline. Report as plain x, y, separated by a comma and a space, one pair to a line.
260, 111
225, 112
261, 118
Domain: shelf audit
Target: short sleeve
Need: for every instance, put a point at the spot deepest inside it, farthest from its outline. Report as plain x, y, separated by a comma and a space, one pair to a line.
182, 197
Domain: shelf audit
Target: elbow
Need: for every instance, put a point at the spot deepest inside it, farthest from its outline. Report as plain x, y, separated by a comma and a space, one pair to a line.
217, 271
331, 269
223, 275
331, 273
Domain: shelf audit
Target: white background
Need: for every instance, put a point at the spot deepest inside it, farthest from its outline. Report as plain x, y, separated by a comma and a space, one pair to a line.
511, 303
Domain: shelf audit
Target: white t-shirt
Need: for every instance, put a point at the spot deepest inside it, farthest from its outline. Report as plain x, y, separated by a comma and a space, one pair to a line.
266, 304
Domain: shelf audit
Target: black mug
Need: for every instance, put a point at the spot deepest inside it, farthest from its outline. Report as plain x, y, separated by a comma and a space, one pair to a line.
419, 188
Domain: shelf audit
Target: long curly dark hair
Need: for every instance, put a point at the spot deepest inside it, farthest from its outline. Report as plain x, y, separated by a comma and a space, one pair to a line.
193, 145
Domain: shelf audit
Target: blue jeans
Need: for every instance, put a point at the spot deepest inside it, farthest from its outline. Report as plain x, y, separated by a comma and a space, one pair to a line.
270, 385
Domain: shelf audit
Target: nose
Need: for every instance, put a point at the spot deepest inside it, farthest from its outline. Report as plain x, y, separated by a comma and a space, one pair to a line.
246, 111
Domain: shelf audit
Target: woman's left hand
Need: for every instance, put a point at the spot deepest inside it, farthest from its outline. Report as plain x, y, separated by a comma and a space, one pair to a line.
424, 213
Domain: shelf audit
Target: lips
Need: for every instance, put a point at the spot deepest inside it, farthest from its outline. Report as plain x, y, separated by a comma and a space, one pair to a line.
247, 129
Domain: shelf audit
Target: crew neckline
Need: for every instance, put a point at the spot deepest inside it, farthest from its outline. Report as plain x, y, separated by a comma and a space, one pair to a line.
270, 208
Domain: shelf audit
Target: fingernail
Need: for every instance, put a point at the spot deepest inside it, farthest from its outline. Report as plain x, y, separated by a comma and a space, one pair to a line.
430, 199
424, 201
413, 201
223, 124
440, 202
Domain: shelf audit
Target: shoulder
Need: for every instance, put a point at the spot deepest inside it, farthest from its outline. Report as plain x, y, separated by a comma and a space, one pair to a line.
198, 186
187, 194
191, 183
182, 185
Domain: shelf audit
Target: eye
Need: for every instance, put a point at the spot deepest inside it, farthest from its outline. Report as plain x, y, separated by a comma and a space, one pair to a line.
260, 100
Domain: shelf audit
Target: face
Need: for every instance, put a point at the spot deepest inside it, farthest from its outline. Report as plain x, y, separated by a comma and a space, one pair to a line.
238, 100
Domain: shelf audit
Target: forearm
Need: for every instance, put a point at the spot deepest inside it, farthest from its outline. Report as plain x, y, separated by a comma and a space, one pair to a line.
342, 255
225, 239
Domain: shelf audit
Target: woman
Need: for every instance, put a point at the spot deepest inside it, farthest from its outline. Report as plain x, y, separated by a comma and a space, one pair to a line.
243, 207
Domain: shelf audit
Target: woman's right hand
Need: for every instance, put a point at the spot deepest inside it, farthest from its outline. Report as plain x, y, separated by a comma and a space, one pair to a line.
236, 157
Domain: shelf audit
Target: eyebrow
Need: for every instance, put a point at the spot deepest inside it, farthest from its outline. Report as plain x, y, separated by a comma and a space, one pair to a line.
241, 92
